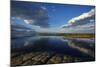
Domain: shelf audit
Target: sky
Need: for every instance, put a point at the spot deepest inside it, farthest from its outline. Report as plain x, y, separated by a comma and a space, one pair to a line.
51, 17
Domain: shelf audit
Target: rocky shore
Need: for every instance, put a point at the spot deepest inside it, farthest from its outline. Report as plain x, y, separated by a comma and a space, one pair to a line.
39, 58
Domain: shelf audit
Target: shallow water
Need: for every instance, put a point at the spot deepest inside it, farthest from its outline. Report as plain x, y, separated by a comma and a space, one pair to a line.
77, 47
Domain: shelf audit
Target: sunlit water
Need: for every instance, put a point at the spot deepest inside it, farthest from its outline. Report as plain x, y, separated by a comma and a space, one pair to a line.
77, 47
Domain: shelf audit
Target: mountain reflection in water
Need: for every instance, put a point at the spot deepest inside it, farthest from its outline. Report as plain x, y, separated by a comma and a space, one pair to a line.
75, 47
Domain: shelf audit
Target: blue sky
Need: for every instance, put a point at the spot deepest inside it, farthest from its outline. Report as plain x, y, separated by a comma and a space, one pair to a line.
58, 14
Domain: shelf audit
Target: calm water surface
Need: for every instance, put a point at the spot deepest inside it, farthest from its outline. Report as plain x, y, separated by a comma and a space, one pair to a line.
77, 47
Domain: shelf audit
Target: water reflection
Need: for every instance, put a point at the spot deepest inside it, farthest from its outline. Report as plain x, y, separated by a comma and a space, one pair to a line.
81, 48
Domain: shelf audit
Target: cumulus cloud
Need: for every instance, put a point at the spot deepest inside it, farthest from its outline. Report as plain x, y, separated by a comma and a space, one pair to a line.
29, 21
89, 14
84, 18
34, 15
85, 23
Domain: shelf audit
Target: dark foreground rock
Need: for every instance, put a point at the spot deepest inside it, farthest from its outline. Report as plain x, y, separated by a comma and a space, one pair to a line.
37, 58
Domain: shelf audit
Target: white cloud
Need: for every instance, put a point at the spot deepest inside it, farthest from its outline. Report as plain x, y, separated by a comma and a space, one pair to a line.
29, 21
44, 8
85, 23
86, 28
83, 16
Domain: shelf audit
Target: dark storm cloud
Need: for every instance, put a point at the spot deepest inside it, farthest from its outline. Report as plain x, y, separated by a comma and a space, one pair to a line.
28, 11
